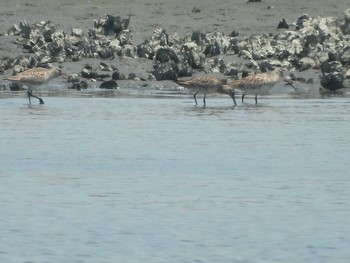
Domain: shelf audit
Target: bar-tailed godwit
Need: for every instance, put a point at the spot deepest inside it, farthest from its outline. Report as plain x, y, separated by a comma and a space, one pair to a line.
35, 77
206, 85
257, 84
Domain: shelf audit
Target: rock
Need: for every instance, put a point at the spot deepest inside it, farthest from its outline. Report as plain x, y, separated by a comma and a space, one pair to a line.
14, 86
347, 73
26, 61
246, 54
198, 37
6, 63
104, 67
195, 10
232, 72
260, 47
184, 70
333, 56
212, 44
160, 37
109, 84
195, 60
346, 26
111, 25
331, 66
302, 21
115, 46
89, 73
165, 71
133, 76
189, 46
215, 43
165, 54
77, 32
218, 65
307, 63
72, 78
105, 52
310, 81
332, 81
117, 75
283, 24
125, 37
78, 85
18, 69
346, 83
22, 29
347, 15
234, 33
3, 87
310, 35
345, 57
127, 51
151, 77
327, 27
145, 50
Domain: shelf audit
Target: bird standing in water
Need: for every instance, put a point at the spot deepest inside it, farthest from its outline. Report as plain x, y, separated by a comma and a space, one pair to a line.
35, 77
257, 84
206, 85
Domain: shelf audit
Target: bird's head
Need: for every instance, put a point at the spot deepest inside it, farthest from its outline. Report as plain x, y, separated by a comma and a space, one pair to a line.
231, 92
280, 70
289, 82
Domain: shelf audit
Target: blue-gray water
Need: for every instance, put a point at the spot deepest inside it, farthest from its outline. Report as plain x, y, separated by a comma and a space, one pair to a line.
152, 179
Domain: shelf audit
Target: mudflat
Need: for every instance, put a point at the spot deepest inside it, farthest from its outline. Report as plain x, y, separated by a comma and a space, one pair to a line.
181, 17
175, 16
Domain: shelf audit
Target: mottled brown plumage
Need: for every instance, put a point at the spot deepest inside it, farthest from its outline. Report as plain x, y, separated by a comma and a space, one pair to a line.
35, 77
207, 85
257, 84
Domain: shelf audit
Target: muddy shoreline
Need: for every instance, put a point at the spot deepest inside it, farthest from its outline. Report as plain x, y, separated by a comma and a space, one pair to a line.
180, 17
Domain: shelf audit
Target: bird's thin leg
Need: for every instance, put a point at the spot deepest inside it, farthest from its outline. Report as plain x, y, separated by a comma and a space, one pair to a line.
204, 99
30, 94
195, 99
256, 98
243, 98
232, 94
233, 98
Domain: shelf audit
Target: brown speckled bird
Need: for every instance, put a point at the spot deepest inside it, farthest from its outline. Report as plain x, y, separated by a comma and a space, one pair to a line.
207, 85
257, 84
35, 77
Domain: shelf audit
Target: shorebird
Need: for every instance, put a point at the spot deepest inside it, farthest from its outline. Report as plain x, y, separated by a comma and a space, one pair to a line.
257, 84
35, 77
207, 85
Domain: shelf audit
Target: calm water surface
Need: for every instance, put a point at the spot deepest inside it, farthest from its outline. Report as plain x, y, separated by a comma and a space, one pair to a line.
132, 179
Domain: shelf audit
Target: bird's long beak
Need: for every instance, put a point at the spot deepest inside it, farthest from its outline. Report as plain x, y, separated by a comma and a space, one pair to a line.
232, 94
289, 82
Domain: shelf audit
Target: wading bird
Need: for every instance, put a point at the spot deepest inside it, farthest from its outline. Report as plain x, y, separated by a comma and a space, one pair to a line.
35, 77
206, 85
257, 84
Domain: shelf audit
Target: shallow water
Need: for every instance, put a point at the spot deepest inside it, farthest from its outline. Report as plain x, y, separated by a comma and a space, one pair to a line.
156, 179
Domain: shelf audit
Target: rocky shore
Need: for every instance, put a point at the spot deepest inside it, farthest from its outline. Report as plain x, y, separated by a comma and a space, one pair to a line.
106, 52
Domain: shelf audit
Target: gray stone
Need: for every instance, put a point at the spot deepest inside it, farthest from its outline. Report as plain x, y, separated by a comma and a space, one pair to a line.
345, 57
306, 63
